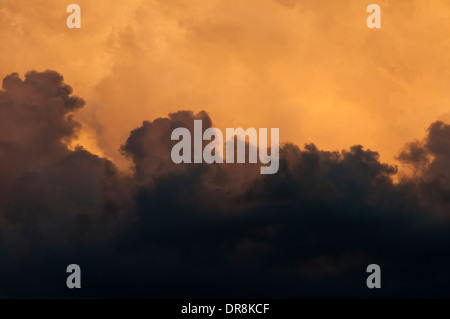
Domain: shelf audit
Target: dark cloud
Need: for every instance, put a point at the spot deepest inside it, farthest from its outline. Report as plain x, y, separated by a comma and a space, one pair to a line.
49, 192
149, 146
220, 230
35, 116
431, 158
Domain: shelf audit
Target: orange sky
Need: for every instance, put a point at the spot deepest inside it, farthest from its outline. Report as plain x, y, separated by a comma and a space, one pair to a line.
311, 68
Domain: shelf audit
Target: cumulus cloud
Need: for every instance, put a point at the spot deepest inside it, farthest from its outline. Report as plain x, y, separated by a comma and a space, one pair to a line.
48, 190
198, 230
149, 146
430, 159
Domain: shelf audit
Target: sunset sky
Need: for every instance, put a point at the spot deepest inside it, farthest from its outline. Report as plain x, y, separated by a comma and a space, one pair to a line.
311, 68
87, 176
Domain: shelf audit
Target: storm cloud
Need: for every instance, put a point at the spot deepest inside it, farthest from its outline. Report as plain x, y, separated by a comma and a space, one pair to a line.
220, 230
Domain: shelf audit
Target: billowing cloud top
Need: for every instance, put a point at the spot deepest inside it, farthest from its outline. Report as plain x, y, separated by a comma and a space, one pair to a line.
209, 230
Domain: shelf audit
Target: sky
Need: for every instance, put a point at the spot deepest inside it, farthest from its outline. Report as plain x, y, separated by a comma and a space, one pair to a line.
86, 117
312, 69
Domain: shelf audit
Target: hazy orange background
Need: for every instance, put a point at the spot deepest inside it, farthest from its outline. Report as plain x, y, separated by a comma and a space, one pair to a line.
311, 68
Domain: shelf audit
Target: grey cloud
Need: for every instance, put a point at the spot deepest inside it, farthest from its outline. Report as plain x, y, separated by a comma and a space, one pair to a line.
220, 230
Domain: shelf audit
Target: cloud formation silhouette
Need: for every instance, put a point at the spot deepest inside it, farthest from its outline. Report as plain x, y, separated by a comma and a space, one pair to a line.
210, 230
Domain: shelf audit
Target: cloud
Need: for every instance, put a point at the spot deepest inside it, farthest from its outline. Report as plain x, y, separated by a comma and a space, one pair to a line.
47, 190
149, 146
220, 230
430, 159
